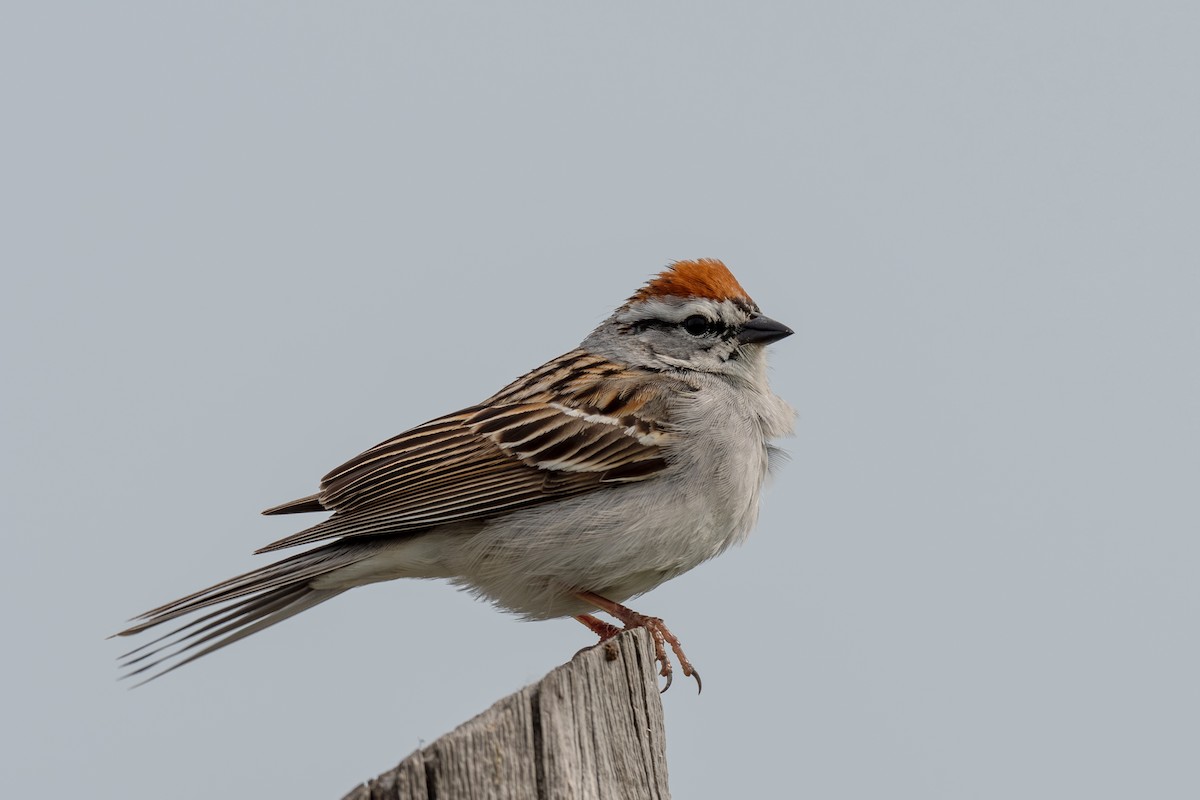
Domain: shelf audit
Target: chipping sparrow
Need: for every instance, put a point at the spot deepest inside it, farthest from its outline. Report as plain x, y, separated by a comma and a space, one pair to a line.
592, 479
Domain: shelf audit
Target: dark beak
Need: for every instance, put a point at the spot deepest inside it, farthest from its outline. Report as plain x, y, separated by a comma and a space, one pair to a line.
762, 330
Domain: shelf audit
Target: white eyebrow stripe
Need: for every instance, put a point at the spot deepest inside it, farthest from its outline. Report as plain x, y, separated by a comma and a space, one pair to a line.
676, 310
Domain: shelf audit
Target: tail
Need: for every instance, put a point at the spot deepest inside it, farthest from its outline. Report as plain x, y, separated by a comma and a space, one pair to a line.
263, 597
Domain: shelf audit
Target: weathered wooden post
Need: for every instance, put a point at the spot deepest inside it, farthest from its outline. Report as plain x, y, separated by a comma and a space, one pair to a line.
591, 729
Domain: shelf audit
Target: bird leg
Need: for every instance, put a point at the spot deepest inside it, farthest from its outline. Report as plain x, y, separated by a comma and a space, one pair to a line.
659, 632
599, 627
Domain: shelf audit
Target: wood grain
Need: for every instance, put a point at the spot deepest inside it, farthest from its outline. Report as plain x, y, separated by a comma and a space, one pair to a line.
591, 729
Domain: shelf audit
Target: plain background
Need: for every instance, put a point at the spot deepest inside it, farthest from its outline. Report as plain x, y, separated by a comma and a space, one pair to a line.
244, 241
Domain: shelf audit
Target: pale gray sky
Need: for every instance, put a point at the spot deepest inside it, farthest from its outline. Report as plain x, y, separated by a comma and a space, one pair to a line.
243, 241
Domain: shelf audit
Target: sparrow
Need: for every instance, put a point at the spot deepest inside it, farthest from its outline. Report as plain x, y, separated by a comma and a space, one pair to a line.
588, 481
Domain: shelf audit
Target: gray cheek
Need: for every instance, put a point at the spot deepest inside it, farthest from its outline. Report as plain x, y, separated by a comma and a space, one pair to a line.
668, 344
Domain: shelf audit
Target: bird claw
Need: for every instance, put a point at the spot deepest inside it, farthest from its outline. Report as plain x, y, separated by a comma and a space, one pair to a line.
695, 674
662, 637
659, 633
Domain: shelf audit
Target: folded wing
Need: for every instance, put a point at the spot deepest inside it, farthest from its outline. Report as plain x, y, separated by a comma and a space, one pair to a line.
576, 425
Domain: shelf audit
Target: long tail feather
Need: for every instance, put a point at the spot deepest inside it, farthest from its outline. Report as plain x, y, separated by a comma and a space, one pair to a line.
247, 604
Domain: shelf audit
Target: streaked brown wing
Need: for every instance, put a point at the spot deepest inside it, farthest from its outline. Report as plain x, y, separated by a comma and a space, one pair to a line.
516, 450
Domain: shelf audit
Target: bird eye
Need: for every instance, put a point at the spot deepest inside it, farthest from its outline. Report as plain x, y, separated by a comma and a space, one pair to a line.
697, 325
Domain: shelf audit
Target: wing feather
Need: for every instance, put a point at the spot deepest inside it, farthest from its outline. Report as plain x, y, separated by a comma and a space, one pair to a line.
578, 424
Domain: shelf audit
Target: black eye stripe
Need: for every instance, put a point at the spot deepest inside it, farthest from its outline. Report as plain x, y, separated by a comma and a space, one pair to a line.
643, 324
696, 325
